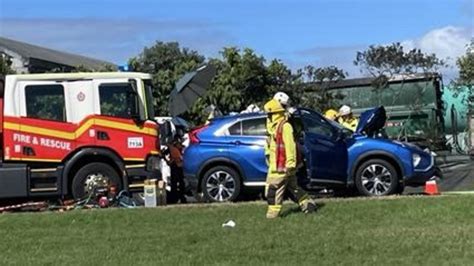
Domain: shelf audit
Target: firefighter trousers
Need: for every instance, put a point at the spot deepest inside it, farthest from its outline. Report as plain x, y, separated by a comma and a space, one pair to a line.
275, 189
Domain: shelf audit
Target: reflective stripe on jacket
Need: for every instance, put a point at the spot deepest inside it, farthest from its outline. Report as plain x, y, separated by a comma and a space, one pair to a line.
280, 149
271, 149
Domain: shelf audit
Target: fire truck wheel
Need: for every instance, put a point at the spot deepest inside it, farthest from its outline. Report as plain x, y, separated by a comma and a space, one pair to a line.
94, 176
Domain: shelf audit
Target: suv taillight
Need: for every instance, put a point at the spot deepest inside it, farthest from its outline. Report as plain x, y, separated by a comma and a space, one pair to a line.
193, 135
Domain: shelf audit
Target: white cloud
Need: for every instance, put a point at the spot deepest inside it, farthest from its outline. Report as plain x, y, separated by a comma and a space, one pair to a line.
447, 43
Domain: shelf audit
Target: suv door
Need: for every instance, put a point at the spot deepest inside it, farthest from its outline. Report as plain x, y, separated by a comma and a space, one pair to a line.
247, 138
326, 154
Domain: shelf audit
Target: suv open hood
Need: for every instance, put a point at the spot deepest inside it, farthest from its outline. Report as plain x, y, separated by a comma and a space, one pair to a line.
371, 121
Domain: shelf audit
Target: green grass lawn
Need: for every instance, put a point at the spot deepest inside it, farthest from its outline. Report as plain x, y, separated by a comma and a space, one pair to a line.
391, 231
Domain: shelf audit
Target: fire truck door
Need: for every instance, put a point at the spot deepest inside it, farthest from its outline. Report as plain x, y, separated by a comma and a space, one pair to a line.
81, 105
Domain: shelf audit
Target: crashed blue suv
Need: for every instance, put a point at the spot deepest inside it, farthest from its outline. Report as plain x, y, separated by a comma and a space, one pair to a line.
226, 156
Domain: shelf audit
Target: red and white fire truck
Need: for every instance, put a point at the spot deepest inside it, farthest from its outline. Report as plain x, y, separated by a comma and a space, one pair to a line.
66, 134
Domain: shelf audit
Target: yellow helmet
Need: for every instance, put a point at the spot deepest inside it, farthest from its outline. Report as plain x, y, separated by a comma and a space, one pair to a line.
273, 106
331, 114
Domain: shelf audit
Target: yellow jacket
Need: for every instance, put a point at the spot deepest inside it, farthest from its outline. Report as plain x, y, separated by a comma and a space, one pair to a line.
270, 149
350, 123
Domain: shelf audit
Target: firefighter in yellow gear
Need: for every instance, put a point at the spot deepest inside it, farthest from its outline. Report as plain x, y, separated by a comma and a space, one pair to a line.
281, 155
331, 114
346, 118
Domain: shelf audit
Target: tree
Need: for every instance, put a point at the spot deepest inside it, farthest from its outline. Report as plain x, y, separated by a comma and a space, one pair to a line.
281, 78
465, 63
384, 62
244, 78
5, 65
167, 62
318, 81
240, 80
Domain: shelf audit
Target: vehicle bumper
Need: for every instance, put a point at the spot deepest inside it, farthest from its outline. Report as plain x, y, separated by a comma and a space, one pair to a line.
420, 178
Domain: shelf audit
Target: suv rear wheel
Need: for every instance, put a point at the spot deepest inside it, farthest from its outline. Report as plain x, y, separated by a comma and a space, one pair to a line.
376, 177
221, 183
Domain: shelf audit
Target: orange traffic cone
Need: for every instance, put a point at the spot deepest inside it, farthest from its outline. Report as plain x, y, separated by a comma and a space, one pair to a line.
431, 188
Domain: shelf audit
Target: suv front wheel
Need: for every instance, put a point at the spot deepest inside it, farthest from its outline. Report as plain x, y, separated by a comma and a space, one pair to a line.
376, 177
221, 183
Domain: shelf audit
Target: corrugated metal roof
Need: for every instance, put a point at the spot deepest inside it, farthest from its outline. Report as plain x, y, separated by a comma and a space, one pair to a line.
33, 51
360, 82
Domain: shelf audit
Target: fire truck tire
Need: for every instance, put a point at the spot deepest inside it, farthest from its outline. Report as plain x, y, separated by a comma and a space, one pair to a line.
92, 175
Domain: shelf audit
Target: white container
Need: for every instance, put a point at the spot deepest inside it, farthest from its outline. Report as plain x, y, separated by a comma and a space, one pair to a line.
150, 194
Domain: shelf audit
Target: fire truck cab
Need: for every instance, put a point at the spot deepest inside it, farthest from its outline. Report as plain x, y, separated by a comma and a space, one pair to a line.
65, 134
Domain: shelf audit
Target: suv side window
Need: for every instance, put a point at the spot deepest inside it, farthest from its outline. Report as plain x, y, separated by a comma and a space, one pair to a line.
236, 129
254, 127
317, 125
249, 127
45, 102
117, 99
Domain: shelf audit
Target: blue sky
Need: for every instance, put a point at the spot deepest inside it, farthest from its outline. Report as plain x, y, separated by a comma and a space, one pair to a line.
320, 32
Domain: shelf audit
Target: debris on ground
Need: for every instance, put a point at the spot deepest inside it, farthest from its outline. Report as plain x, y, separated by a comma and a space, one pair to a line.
101, 198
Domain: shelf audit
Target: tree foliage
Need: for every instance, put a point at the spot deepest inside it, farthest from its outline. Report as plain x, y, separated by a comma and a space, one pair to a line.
385, 62
392, 59
318, 81
5, 65
465, 63
242, 78
167, 62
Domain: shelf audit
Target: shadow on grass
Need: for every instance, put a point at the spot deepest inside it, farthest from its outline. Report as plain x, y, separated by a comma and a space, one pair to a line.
296, 210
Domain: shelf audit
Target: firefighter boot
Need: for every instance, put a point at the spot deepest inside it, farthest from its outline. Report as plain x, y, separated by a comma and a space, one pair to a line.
306, 204
273, 211
310, 207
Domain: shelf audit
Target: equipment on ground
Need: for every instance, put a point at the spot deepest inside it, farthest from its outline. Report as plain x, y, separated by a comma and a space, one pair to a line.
154, 193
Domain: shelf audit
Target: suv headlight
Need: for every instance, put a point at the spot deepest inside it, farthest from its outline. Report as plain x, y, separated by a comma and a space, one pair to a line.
416, 158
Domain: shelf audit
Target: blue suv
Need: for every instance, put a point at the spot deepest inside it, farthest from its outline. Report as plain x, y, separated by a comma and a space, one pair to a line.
226, 156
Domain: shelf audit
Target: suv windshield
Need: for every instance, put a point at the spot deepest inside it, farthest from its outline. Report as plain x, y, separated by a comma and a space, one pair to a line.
318, 124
